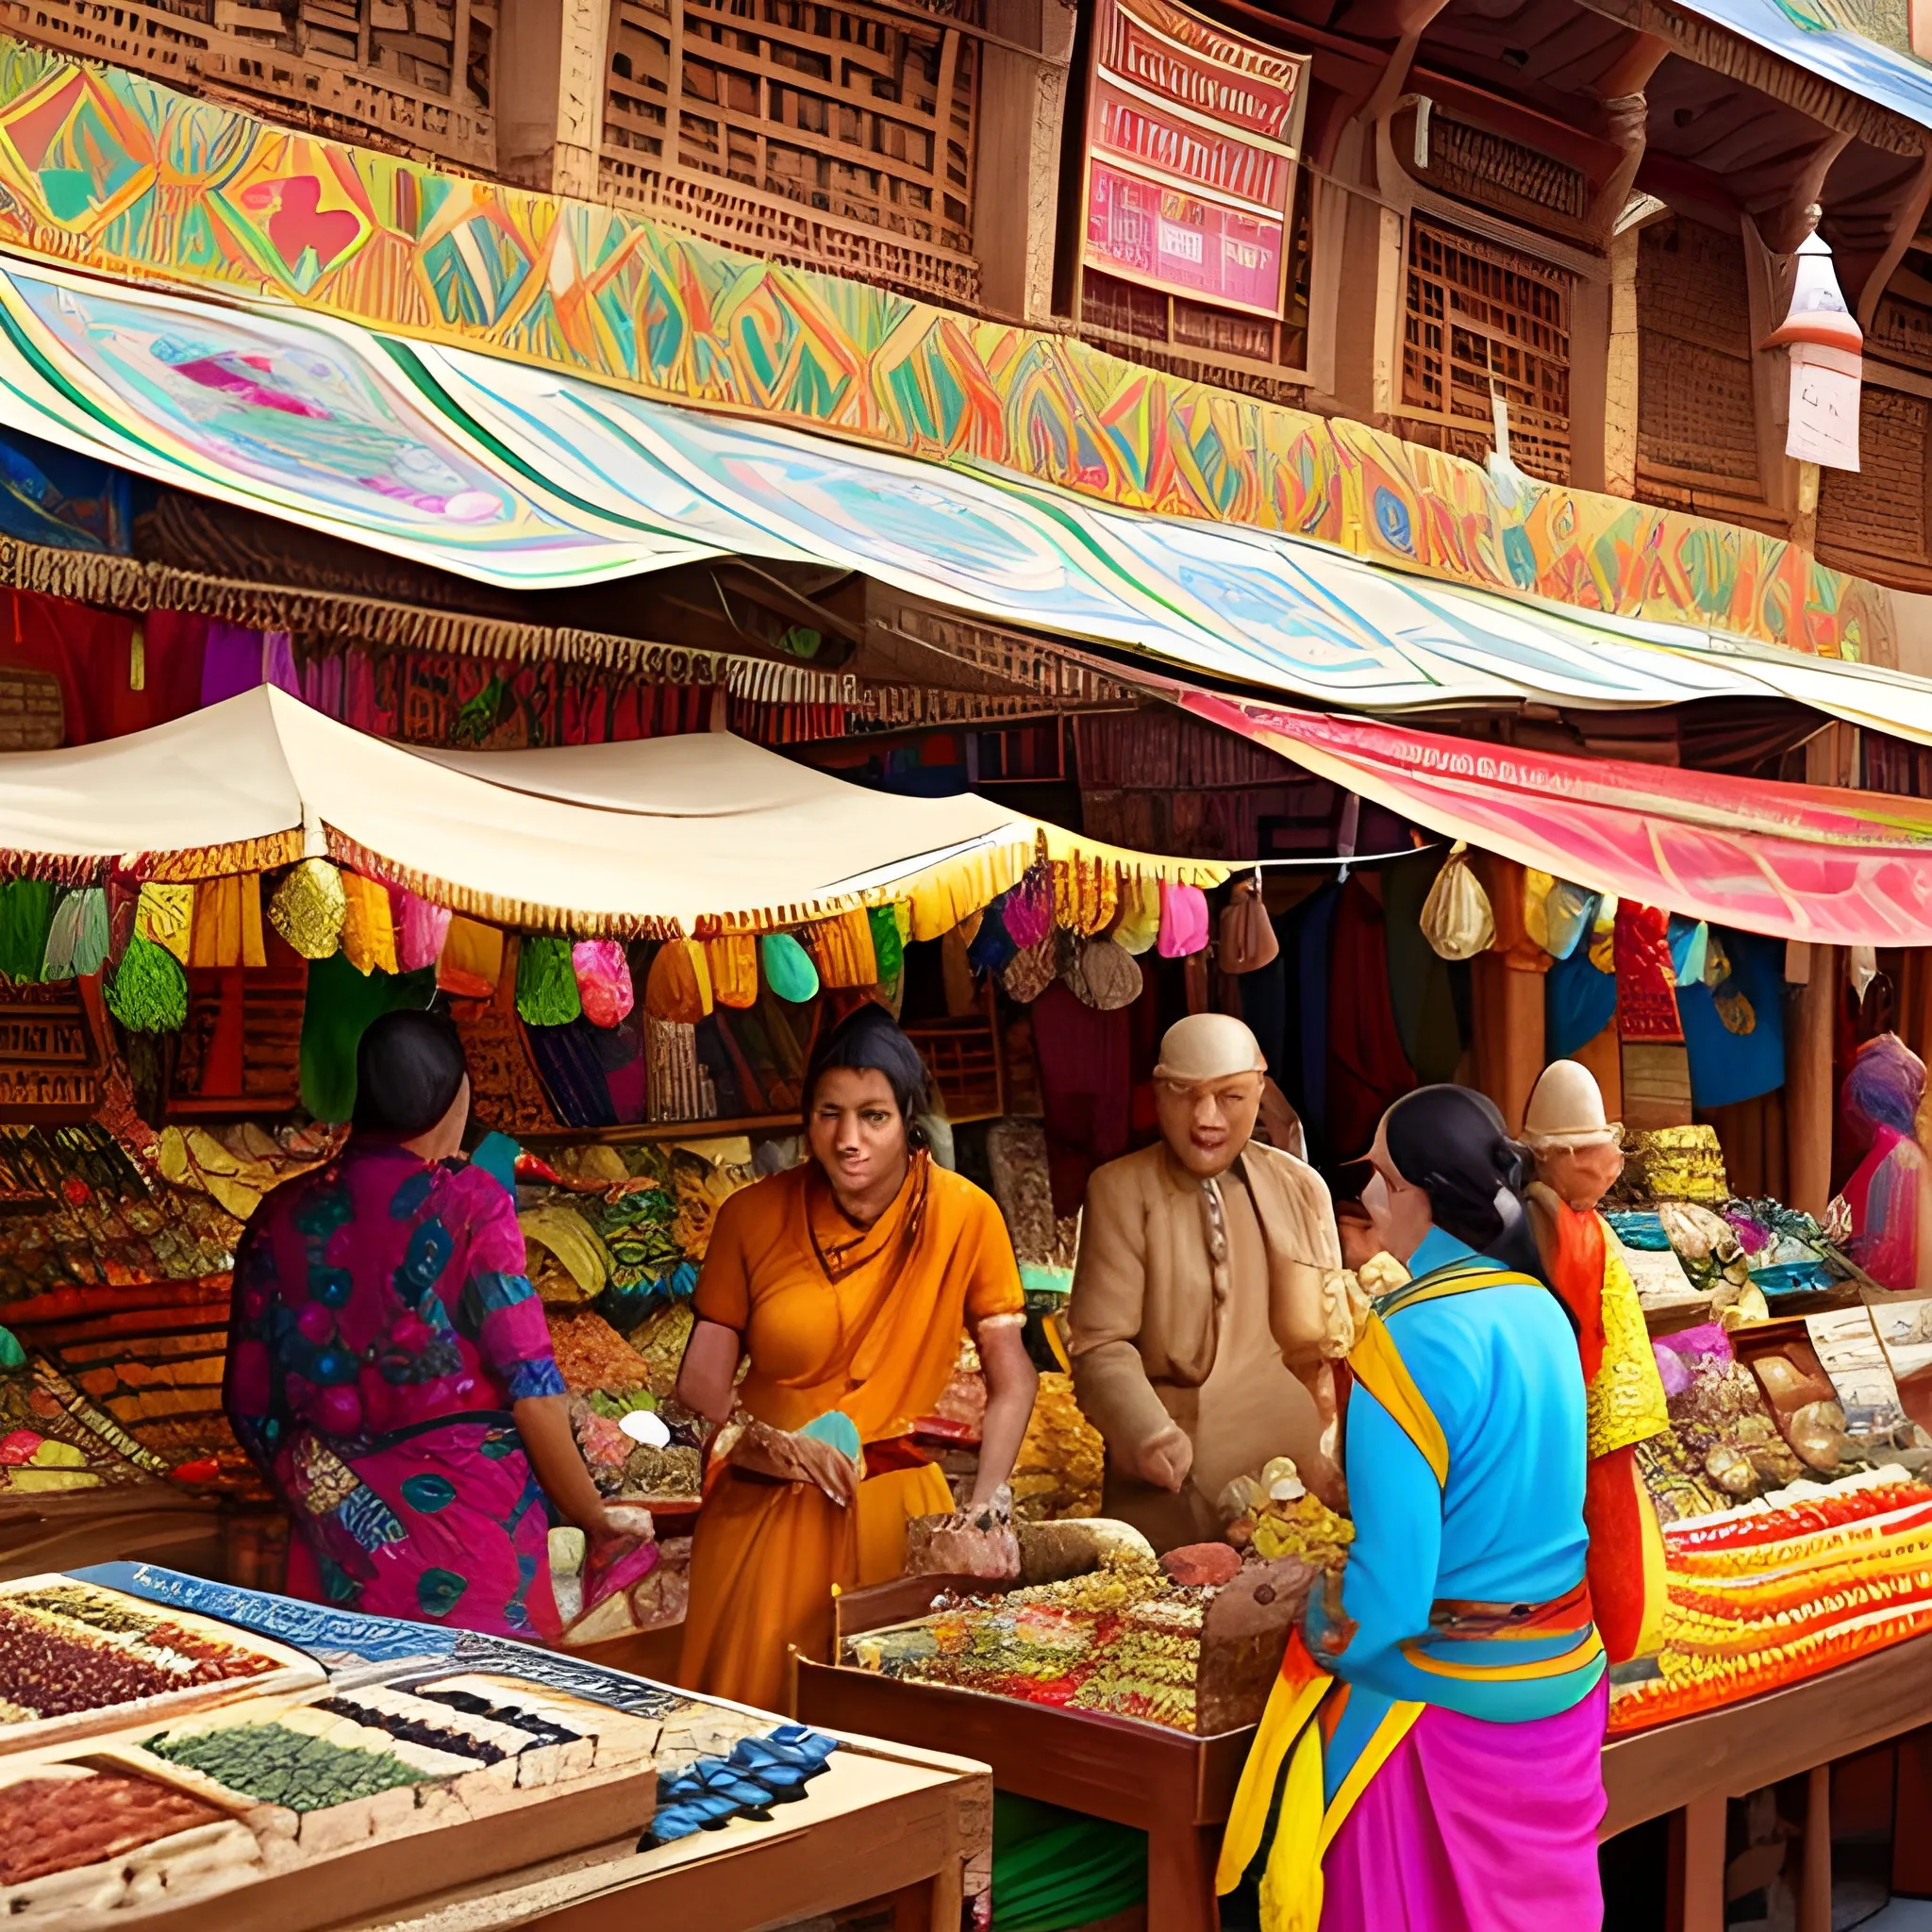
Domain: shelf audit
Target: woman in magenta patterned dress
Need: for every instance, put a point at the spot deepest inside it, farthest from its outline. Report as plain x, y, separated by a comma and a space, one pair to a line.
389, 1369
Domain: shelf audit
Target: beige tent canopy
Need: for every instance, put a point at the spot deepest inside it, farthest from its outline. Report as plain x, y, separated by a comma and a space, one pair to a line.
691, 835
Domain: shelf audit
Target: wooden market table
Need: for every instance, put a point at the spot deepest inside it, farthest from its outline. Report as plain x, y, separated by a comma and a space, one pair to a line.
886, 1823
1694, 1765
1179, 1789
1174, 1785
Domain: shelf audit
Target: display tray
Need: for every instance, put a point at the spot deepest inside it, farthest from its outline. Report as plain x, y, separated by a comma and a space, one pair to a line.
298, 1813
63, 1642
1147, 1775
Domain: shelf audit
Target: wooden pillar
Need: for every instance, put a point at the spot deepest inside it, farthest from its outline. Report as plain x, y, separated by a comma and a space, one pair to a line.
1697, 1863
1912, 1817
551, 82
1621, 375
1508, 1014
1016, 200
1814, 1896
1808, 1088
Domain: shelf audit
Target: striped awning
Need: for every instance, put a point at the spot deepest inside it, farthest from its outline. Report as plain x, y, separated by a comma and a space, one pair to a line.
518, 475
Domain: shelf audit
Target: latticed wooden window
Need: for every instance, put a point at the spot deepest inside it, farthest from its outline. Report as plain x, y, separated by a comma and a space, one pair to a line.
1696, 408
839, 135
1482, 319
409, 74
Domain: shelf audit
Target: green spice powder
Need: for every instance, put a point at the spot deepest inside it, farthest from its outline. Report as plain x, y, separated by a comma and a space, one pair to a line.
283, 1766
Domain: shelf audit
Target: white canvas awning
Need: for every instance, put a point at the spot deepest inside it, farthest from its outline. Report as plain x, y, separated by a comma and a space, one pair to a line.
689, 834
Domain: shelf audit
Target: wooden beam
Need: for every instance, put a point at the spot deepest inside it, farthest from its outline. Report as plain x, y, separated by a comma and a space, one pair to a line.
1808, 1089
1864, 278
1795, 213
1705, 44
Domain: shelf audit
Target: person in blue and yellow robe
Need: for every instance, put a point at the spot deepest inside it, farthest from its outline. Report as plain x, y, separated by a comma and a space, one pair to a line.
1429, 1760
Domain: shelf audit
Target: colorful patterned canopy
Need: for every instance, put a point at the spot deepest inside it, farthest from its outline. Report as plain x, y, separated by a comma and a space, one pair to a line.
1798, 861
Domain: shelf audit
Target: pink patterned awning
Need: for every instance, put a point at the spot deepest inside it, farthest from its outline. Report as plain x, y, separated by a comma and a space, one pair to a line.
1798, 861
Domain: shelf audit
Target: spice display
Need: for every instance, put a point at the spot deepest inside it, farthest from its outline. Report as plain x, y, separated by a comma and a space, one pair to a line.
1059, 1469
278, 1765
1722, 1445
68, 1648
1275, 1514
1123, 1639
71, 1818
1782, 1589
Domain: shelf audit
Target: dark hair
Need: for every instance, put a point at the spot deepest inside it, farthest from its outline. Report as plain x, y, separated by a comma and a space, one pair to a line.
868, 1039
408, 1066
1452, 1142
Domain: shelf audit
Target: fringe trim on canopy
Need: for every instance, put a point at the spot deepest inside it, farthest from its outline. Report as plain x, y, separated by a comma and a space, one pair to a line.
1072, 848
493, 908
218, 861
126, 583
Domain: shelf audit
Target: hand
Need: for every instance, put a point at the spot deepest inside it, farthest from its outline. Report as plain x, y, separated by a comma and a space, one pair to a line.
617, 1521
796, 1458
1165, 1458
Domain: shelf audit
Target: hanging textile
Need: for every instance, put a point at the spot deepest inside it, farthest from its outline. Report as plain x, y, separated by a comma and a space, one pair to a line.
368, 934
227, 923
1366, 1070
1734, 1032
341, 1006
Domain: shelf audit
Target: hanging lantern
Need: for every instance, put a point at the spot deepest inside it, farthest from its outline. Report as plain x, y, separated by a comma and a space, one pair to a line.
1827, 363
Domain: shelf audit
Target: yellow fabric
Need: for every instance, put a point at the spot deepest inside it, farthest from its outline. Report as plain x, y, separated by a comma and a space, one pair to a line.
165, 914
471, 962
1626, 1393
368, 934
1289, 1734
1650, 1635
227, 923
732, 962
1397, 1722
872, 1330
1086, 893
841, 949
308, 908
1285, 1721
1379, 1368
886, 1503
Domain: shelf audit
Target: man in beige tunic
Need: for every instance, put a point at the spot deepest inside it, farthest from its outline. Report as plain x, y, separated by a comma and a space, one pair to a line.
1210, 1301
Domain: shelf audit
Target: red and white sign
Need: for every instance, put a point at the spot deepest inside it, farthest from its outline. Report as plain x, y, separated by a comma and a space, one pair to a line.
1191, 155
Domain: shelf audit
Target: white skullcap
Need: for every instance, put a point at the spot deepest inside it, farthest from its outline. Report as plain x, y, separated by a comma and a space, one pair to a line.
1209, 1046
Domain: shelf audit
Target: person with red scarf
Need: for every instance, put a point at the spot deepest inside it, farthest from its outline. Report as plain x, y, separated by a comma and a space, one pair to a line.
1577, 1161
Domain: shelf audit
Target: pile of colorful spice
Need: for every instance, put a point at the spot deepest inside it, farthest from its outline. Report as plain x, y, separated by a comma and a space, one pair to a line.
68, 1648
1122, 1640
1781, 1588
69, 1817
1723, 1447
636, 1440
1275, 1514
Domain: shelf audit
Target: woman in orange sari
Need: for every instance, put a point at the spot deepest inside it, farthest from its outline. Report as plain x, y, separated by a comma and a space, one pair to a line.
846, 1282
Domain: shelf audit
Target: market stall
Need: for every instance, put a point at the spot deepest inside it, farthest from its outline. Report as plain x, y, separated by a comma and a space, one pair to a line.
170, 1761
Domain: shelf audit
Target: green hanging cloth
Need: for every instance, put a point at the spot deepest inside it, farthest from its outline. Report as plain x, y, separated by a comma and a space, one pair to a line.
889, 947
148, 993
26, 912
341, 1006
76, 935
547, 992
